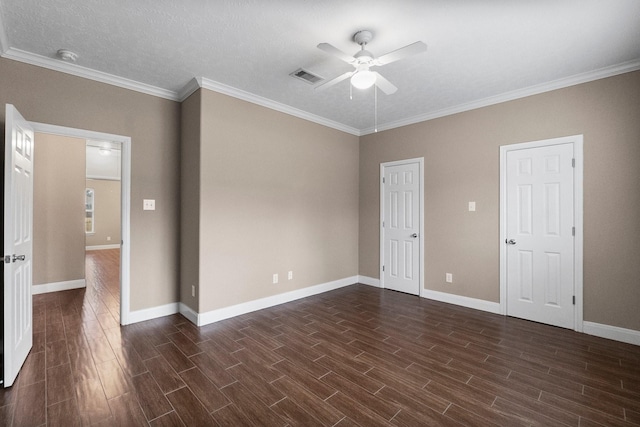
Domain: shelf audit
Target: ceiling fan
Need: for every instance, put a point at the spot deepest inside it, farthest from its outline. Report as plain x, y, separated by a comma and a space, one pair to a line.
362, 77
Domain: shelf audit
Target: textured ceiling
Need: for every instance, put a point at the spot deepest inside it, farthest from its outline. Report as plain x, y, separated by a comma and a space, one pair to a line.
477, 50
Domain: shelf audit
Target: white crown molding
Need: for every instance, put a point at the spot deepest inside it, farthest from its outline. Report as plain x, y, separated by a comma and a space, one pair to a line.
201, 82
87, 73
577, 79
4, 41
188, 89
268, 103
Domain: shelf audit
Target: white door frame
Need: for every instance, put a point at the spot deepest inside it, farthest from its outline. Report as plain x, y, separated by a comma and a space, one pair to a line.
420, 161
125, 202
577, 141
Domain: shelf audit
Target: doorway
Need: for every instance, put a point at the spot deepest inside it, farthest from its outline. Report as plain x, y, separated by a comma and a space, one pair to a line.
123, 240
401, 225
541, 231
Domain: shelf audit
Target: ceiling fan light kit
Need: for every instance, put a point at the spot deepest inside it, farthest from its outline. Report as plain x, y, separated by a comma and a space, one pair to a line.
362, 77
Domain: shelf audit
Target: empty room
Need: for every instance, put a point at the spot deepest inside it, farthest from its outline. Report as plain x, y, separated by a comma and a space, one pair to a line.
333, 213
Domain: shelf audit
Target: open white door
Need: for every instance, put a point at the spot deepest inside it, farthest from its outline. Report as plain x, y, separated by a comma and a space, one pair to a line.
18, 231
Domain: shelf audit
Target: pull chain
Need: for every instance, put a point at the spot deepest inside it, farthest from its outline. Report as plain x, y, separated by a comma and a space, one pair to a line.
375, 102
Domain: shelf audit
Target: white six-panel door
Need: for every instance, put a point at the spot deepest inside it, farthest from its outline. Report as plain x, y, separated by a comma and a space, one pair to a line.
401, 227
18, 230
540, 234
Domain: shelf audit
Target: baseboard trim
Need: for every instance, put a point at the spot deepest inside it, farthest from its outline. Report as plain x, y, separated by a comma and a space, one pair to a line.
366, 280
630, 336
153, 313
477, 304
189, 313
101, 247
259, 304
45, 288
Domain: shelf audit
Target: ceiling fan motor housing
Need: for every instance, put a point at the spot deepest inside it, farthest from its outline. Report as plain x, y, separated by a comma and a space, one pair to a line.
363, 37
363, 56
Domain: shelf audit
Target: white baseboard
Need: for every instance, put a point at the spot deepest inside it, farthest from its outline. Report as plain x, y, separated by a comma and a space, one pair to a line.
477, 304
189, 313
153, 313
365, 280
101, 247
247, 307
58, 286
629, 336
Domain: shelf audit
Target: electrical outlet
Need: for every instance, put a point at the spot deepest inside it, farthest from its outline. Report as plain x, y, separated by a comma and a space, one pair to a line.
275, 278
193, 291
149, 204
448, 278
290, 275
108, 238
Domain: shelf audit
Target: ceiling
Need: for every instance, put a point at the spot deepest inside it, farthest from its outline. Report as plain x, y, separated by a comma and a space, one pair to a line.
479, 52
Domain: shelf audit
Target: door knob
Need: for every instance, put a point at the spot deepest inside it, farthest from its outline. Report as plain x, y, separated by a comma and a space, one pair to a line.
18, 258
414, 235
510, 242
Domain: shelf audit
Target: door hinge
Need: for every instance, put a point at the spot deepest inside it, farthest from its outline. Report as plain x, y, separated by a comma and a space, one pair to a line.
574, 300
383, 179
383, 268
573, 231
382, 224
573, 163
7, 259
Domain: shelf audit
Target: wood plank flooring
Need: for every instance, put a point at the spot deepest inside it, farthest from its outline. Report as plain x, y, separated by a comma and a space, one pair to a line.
354, 356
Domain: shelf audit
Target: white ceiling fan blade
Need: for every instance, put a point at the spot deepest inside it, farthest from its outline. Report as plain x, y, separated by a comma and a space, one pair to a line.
403, 52
385, 85
332, 50
335, 81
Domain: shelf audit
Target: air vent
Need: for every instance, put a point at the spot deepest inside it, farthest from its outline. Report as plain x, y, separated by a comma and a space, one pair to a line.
306, 76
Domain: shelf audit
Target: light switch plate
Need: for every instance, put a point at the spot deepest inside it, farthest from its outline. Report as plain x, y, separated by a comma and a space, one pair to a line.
472, 206
149, 205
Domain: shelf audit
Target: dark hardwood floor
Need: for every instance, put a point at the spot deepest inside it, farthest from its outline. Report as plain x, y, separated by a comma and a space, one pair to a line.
355, 356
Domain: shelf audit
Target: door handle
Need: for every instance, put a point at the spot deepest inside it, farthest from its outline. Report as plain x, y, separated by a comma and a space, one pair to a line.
510, 241
18, 258
414, 235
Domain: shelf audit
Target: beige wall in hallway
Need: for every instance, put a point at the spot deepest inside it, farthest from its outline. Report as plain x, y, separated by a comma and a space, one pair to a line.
58, 209
153, 124
462, 164
106, 212
278, 193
